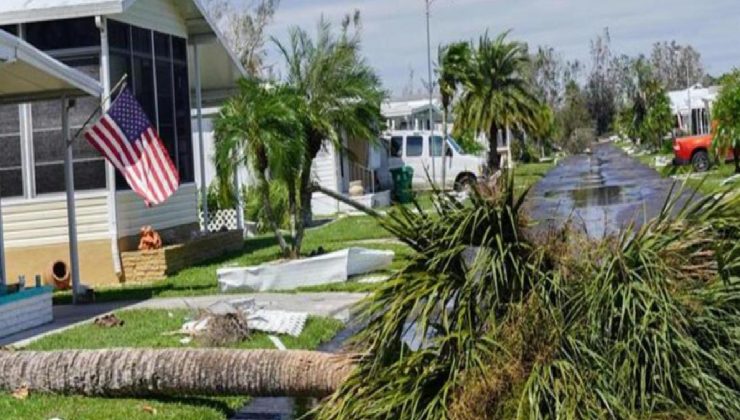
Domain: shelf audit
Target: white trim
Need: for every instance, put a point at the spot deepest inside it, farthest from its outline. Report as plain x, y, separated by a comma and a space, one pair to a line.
64, 11
51, 197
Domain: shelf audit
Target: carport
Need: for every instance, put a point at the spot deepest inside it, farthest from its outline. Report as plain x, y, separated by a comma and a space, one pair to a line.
28, 75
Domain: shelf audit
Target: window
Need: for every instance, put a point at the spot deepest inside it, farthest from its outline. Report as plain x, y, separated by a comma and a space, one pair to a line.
414, 146
397, 147
156, 64
75, 42
11, 29
435, 146
11, 173
63, 34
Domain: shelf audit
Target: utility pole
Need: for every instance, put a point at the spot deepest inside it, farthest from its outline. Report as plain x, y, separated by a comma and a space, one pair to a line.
688, 93
431, 89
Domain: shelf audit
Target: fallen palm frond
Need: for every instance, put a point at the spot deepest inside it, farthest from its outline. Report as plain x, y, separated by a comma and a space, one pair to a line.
428, 325
482, 324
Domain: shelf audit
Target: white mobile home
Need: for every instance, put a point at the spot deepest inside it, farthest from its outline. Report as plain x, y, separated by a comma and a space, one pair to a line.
692, 107
173, 56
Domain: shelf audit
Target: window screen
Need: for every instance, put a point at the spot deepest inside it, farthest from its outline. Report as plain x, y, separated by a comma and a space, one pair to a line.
63, 34
414, 146
12, 29
11, 174
156, 64
49, 142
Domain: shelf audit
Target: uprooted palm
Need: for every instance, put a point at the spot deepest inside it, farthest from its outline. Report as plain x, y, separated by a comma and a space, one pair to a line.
640, 325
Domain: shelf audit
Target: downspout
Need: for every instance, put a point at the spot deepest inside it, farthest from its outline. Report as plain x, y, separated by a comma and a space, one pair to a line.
110, 171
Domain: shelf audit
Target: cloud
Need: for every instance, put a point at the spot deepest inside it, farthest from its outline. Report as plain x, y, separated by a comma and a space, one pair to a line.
395, 37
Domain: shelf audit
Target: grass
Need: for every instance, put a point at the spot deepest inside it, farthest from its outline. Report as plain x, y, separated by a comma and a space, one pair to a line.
145, 328
528, 174
201, 279
706, 183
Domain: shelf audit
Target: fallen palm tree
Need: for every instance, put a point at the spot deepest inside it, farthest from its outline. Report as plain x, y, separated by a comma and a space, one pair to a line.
175, 372
641, 325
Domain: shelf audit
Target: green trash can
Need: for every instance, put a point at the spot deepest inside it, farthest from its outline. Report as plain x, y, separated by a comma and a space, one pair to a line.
402, 178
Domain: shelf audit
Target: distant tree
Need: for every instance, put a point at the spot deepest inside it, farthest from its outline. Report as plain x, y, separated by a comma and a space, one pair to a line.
601, 86
726, 114
677, 66
245, 29
647, 115
571, 117
549, 74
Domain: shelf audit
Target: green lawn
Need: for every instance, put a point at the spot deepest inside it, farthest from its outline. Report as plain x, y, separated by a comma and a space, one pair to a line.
201, 278
145, 328
527, 174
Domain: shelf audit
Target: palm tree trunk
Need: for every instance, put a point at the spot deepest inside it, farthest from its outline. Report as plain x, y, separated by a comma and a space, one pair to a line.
264, 188
170, 372
493, 156
314, 141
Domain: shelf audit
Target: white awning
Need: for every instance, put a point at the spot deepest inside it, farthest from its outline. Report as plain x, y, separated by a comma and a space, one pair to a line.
27, 74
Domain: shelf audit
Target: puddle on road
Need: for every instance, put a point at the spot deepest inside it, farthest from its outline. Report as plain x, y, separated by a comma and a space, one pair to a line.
598, 196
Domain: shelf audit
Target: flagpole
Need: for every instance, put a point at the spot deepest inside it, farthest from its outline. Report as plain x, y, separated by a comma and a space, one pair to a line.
119, 86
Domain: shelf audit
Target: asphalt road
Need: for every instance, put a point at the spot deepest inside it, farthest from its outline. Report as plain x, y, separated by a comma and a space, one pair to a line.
599, 193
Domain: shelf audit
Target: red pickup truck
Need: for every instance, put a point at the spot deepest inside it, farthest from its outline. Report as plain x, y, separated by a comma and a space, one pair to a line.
695, 150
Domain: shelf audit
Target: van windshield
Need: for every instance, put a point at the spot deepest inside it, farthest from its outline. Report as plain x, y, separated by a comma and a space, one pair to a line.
453, 144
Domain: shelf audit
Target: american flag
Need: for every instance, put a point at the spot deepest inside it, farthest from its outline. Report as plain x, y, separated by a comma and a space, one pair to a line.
126, 137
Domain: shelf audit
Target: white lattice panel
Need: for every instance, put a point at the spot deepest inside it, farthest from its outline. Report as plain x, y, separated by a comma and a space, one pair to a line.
220, 220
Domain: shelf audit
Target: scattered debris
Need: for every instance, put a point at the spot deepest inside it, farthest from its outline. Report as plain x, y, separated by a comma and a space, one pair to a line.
149, 409
217, 330
227, 322
108, 321
662, 161
731, 180
186, 340
278, 344
335, 267
373, 279
279, 322
21, 393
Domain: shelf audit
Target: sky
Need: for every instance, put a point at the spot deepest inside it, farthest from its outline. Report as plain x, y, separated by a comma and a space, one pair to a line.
394, 31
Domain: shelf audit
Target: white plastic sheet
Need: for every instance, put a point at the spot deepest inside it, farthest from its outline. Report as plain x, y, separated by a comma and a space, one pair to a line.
334, 267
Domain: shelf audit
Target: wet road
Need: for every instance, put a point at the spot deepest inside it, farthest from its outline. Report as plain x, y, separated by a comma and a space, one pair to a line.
599, 193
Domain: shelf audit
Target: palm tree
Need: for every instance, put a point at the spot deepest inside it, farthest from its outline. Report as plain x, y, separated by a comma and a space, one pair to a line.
175, 372
261, 127
453, 64
341, 95
495, 91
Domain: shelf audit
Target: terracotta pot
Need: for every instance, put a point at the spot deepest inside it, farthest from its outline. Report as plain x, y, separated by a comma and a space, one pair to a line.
58, 275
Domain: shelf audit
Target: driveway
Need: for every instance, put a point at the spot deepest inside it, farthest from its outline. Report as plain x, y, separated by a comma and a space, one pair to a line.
599, 193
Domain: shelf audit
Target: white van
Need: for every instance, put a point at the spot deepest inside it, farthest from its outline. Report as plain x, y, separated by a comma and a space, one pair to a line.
424, 154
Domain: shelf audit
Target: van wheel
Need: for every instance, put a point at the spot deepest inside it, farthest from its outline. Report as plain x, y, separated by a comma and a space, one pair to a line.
464, 182
700, 161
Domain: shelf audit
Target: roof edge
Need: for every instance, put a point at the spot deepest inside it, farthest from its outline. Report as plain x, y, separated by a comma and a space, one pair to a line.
65, 12
42, 61
220, 37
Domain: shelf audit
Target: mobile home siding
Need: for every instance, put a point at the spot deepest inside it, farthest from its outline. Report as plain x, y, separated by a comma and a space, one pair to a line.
180, 209
158, 15
326, 167
43, 221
